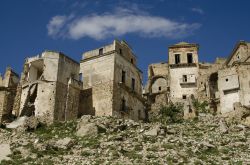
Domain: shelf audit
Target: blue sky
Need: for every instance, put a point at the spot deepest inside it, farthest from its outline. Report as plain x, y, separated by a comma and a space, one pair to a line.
30, 26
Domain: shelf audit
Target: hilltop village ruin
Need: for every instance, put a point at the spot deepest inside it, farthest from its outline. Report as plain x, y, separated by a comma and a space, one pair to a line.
107, 82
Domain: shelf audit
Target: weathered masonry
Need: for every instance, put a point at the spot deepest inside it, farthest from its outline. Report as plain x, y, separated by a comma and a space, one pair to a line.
50, 87
112, 83
234, 79
107, 82
224, 85
183, 70
8, 85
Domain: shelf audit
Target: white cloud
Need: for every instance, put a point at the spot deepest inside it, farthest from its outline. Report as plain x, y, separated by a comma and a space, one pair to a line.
117, 24
197, 10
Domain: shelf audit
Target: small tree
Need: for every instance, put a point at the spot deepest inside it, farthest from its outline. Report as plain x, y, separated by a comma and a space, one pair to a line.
173, 113
200, 106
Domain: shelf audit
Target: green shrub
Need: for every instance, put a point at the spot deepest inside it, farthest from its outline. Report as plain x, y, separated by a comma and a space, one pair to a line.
200, 106
172, 113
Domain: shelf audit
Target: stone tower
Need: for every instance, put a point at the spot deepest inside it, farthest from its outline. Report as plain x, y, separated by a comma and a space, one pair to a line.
183, 70
113, 82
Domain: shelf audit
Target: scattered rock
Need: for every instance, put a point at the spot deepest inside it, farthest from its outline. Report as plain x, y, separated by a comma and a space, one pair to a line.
4, 152
89, 129
17, 123
223, 127
153, 132
65, 143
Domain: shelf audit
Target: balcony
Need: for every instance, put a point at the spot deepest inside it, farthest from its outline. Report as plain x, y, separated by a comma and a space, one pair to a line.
187, 80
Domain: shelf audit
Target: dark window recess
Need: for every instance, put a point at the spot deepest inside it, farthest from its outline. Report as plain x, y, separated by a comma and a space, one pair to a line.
123, 106
226, 79
184, 78
80, 77
133, 84
190, 58
120, 51
190, 109
101, 51
123, 76
132, 61
184, 97
177, 58
159, 88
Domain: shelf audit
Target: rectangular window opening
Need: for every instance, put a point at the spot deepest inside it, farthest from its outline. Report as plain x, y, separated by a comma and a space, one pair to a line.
177, 58
133, 84
184, 97
101, 51
123, 76
132, 61
190, 58
184, 78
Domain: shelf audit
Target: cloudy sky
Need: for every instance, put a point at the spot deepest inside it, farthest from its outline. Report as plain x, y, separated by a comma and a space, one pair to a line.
74, 26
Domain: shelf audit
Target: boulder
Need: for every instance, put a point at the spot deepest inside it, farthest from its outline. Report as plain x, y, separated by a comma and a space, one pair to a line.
89, 129
5, 151
223, 127
65, 143
18, 122
153, 132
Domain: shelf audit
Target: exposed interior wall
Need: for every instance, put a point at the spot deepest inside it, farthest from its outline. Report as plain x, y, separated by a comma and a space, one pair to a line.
8, 85
98, 75
86, 103
244, 80
50, 87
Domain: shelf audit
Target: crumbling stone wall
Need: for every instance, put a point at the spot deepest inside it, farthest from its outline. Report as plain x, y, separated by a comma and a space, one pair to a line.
102, 74
8, 86
182, 87
50, 87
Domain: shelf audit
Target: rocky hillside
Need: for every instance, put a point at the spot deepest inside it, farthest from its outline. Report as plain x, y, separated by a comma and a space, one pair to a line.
107, 140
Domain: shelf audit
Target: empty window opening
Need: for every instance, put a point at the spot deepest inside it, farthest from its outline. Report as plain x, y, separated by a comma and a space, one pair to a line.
159, 88
133, 84
226, 79
184, 78
80, 77
190, 109
184, 97
190, 58
132, 61
123, 106
120, 51
177, 58
101, 51
123, 76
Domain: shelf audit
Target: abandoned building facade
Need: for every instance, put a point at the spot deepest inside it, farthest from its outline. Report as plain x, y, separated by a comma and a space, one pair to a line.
223, 84
107, 82
111, 76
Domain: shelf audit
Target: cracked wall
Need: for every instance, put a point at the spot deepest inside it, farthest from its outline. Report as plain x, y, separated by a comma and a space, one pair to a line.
8, 85
50, 88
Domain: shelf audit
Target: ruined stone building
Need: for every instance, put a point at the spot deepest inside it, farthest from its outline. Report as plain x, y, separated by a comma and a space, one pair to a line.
107, 82
8, 85
112, 83
50, 87
234, 79
223, 84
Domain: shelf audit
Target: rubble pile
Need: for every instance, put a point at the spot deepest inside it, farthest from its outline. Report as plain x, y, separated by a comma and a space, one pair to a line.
108, 140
